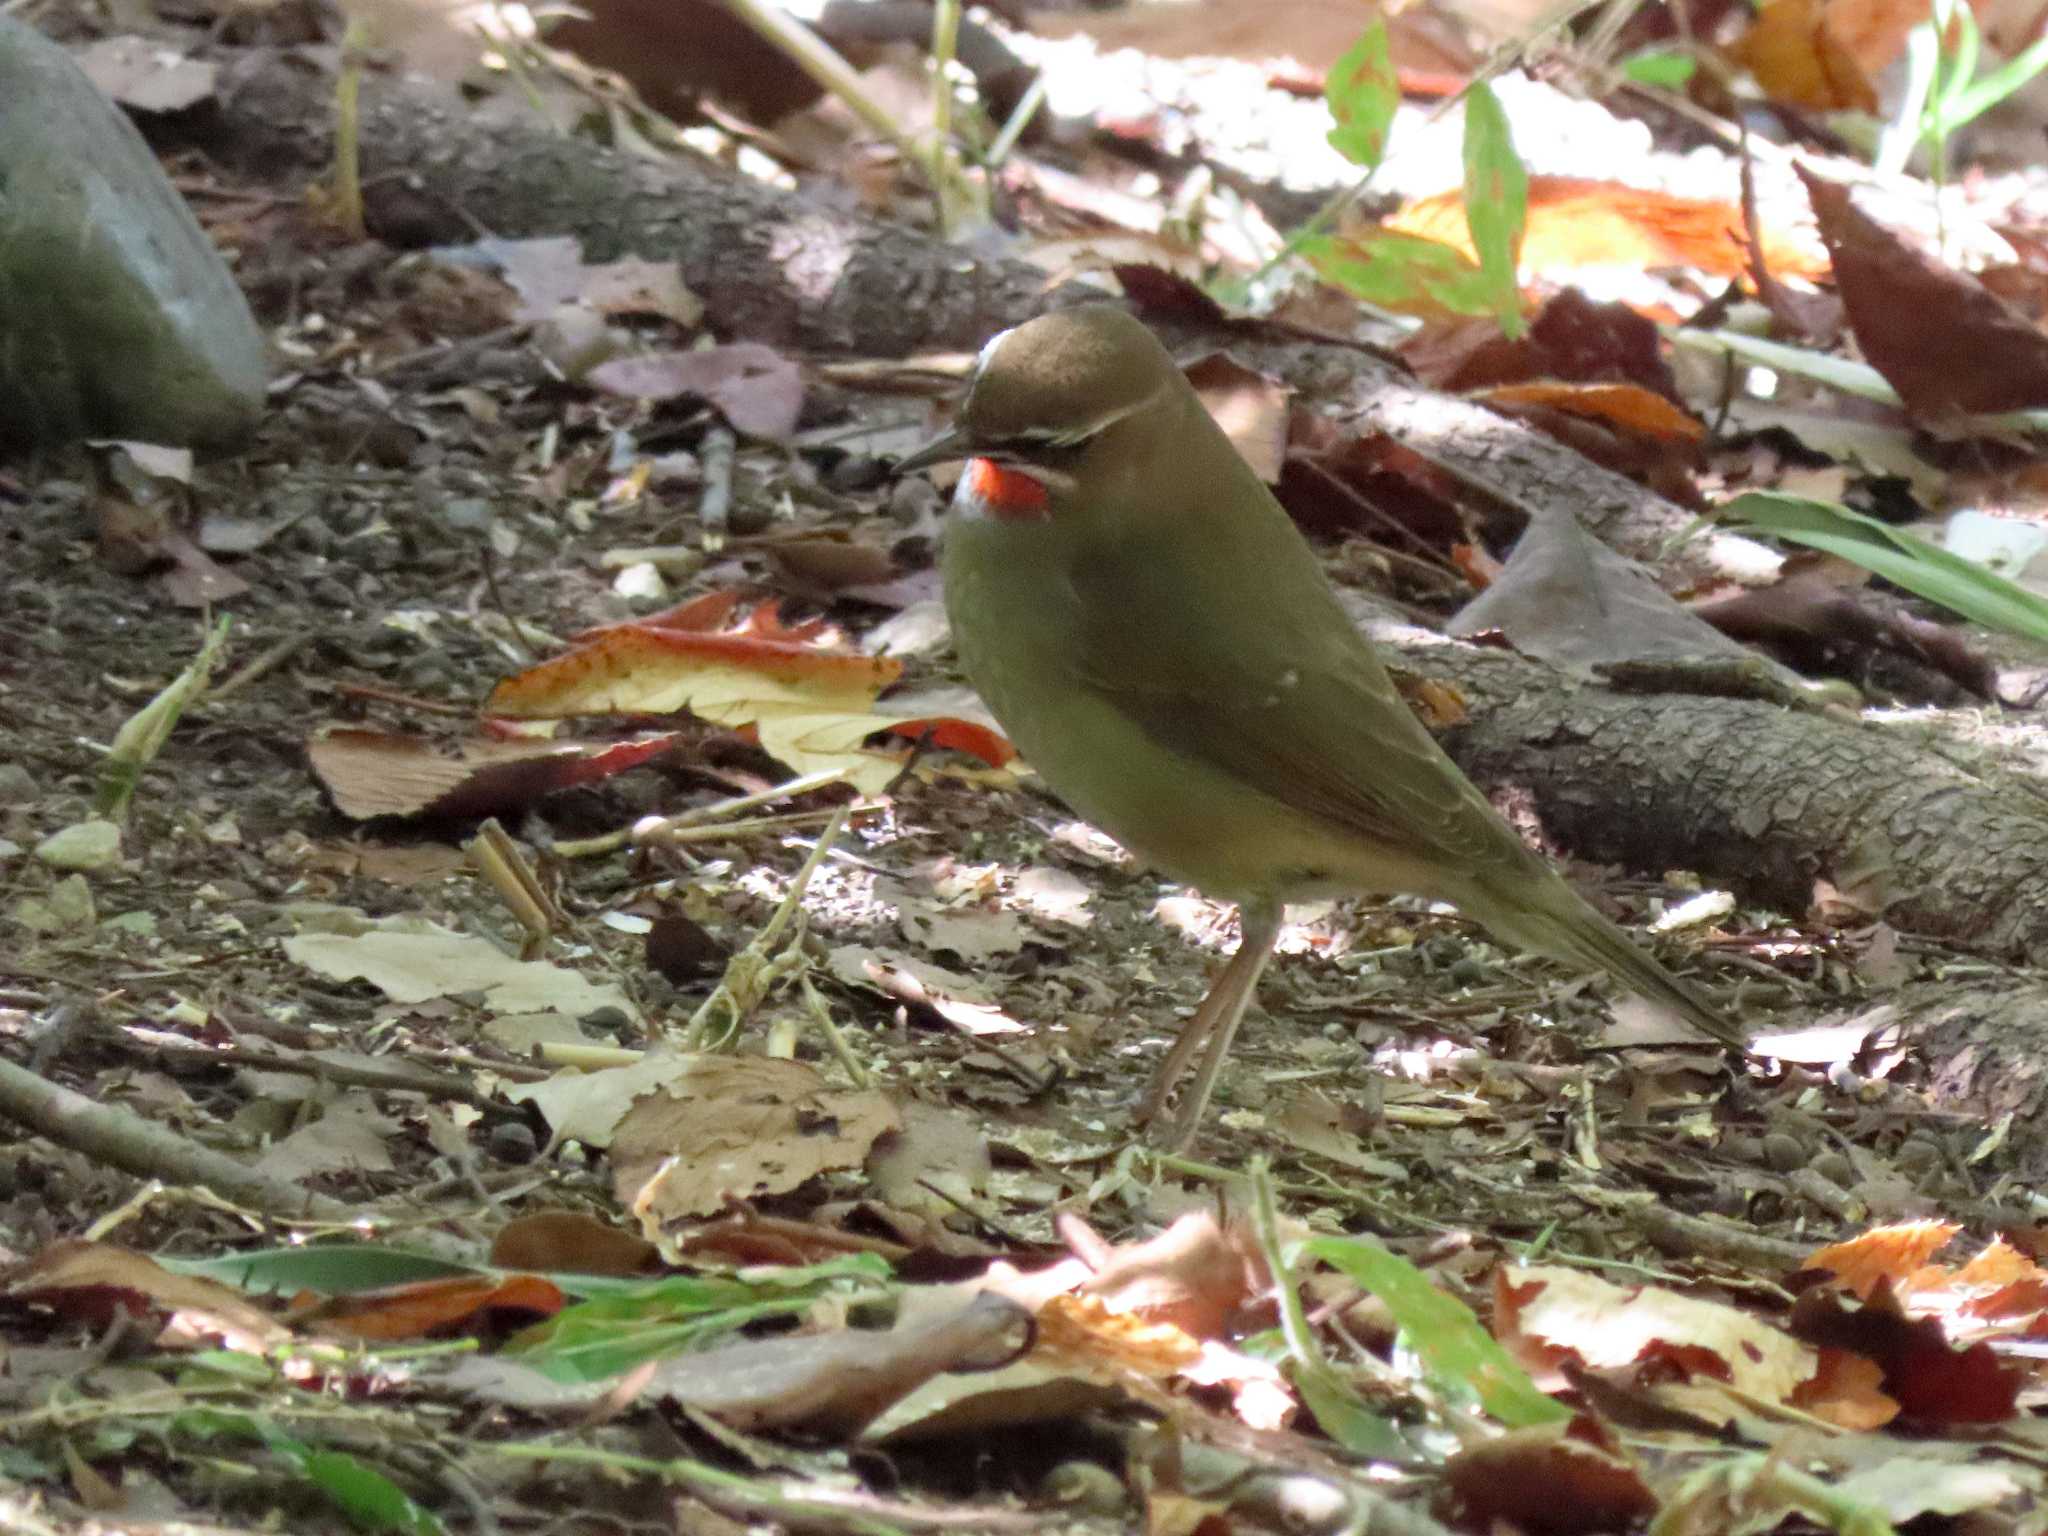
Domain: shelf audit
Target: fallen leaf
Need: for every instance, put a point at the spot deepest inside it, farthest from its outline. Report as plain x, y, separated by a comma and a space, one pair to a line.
385, 773
1940, 338
147, 75
733, 1127
574, 1242
1554, 1478
812, 708
94, 1283
758, 390
1577, 222
1566, 598
1546, 1314
411, 960
457, 1304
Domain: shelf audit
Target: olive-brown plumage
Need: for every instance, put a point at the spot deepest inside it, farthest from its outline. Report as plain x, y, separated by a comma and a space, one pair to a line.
1161, 644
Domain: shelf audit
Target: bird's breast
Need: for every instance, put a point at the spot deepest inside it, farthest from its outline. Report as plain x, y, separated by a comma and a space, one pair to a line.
1021, 638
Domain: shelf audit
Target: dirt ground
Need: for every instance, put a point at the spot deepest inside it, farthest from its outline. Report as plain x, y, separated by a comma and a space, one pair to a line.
1403, 1076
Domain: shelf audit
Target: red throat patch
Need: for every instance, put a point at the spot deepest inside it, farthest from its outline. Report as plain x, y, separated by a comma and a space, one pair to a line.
1009, 494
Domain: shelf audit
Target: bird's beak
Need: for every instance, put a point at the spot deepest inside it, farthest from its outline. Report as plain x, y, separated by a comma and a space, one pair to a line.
943, 449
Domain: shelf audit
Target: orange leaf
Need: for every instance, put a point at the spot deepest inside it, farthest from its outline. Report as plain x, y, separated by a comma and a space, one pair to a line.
1886, 1253
431, 1306
1799, 57
1578, 222
969, 736
1625, 405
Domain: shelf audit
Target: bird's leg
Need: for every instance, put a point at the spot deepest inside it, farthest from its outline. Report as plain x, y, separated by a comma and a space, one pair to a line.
1214, 1025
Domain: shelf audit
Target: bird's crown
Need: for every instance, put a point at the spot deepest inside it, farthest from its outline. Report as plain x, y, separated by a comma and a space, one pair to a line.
1060, 379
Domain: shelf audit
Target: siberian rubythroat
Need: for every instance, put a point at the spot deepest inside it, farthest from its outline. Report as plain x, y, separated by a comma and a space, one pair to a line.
1160, 643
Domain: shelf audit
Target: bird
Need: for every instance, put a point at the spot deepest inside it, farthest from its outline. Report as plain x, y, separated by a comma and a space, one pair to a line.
1159, 641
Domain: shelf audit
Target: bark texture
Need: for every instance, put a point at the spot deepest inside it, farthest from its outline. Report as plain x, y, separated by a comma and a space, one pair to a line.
1763, 798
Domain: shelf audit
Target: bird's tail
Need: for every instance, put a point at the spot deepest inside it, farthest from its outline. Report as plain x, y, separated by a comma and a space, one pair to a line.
1547, 915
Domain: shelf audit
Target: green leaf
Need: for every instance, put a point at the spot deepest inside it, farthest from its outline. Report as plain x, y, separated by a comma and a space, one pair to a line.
1900, 558
1964, 105
1363, 92
371, 1500
601, 1338
332, 1269
1344, 1416
229, 1364
1496, 202
1442, 1331
1658, 66
1404, 273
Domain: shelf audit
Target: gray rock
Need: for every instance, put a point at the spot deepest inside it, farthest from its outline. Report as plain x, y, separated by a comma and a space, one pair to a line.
118, 318
83, 845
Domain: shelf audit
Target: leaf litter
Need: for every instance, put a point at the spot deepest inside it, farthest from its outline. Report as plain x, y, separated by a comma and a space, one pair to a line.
802, 1261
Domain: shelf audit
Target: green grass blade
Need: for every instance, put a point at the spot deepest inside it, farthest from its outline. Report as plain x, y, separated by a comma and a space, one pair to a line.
1925, 569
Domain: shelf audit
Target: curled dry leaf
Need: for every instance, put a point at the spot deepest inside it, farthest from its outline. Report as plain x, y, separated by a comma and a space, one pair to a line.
1251, 409
1566, 598
464, 1304
574, 1242
953, 997
1195, 1275
838, 1382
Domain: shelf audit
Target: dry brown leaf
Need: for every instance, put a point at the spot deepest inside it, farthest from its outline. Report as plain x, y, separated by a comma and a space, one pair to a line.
1194, 1275
737, 1126
383, 773
1552, 1478
572, 1242
1251, 409
1798, 57
1946, 343
93, 1283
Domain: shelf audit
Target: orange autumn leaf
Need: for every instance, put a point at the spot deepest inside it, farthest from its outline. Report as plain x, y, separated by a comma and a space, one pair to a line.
1825, 54
1799, 57
1847, 1390
1629, 406
458, 1302
811, 707
638, 669
1893, 1253
1578, 222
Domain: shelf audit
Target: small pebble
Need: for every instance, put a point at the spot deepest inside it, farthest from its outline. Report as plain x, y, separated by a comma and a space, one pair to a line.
913, 501
1835, 1168
1085, 1487
513, 1141
1917, 1158
1783, 1153
83, 845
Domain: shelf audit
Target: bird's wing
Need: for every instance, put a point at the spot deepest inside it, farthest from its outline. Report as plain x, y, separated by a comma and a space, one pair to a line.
1288, 697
